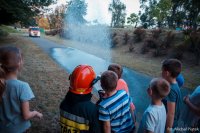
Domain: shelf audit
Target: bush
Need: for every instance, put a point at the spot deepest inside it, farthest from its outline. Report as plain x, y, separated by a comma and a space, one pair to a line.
131, 47
139, 34
195, 45
114, 42
51, 32
160, 52
149, 43
114, 35
168, 40
126, 38
178, 51
156, 33
3, 33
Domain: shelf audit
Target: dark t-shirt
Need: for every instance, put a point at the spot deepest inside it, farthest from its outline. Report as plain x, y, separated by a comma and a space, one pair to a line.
79, 114
175, 97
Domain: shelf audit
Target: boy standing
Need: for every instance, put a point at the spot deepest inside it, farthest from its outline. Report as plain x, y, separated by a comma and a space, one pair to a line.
154, 118
171, 68
114, 110
121, 84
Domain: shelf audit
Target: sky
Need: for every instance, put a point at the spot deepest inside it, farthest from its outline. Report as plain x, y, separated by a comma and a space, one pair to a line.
98, 9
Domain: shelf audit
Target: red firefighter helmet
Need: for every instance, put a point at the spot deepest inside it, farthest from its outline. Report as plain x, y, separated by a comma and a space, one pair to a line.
81, 79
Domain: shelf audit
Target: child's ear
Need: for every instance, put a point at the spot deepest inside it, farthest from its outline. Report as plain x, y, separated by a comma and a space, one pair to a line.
149, 91
168, 74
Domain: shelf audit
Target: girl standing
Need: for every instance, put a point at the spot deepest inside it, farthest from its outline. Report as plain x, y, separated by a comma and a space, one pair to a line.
14, 94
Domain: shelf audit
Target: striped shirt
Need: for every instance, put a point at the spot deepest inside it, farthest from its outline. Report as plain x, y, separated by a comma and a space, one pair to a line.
116, 109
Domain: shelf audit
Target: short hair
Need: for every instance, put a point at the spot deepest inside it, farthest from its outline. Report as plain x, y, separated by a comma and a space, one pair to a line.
116, 68
173, 66
109, 81
160, 87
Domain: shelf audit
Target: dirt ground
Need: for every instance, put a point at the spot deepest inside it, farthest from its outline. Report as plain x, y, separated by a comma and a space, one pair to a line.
47, 80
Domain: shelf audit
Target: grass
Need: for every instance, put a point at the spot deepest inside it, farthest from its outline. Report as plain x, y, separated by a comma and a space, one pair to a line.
8, 29
47, 80
142, 63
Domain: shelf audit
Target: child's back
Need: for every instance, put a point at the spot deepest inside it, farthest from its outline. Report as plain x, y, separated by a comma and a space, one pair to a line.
10, 110
14, 94
154, 118
114, 110
121, 85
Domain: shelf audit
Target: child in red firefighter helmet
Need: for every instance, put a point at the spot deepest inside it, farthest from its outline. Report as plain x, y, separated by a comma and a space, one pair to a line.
77, 112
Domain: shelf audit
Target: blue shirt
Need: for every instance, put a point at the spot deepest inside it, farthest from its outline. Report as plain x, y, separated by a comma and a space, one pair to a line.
11, 120
116, 109
153, 119
175, 97
180, 80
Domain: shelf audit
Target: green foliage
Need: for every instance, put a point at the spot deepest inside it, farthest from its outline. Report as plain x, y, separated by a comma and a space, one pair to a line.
157, 11
117, 8
171, 13
20, 10
133, 19
8, 29
76, 11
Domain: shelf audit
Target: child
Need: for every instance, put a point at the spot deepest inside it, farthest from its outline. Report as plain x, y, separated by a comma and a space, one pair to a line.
121, 84
77, 113
171, 68
114, 110
14, 94
154, 118
193, 109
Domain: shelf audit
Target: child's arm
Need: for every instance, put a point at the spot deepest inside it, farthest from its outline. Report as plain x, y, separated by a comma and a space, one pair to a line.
106, 127
27, 114
170, 115
194, 108
133, 115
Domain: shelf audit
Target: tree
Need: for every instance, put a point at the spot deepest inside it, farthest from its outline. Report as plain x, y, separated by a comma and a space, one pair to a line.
43, 23
172, 12
117, 9
56, 19
76, 10
133, 19
161, 11
21, 10
147, 19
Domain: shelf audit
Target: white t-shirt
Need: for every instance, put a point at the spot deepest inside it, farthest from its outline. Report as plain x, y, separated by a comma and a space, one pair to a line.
153, 119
